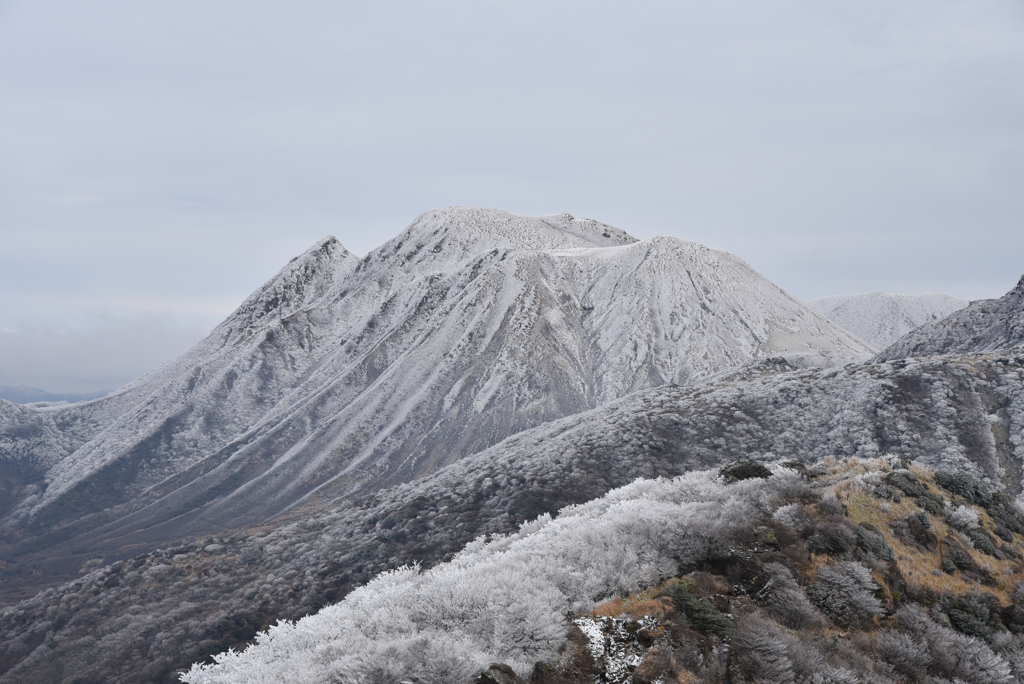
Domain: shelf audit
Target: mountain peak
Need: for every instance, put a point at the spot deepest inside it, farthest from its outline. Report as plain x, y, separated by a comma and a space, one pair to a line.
881, 318
452, 234
304, 279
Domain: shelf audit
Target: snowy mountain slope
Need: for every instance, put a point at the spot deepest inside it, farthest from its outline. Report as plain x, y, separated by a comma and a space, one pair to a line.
984, 325
881, 318
163, 421
344, 374
164, 610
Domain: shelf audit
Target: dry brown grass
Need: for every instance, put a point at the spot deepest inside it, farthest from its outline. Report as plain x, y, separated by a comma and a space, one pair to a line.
922, 569
647, 602
611, 608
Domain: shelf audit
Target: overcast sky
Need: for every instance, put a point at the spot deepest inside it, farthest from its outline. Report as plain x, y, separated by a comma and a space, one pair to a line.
160, 160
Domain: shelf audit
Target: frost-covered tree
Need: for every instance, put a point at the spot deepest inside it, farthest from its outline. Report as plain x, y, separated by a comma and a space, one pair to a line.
845, 592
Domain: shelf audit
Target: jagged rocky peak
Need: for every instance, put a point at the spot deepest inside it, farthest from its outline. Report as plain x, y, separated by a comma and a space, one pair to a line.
301, 282
452, 234
984, 325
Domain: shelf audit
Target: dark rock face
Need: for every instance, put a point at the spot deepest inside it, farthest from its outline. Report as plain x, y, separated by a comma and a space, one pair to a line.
984, 325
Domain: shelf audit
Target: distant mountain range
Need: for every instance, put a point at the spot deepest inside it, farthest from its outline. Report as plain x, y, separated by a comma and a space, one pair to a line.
23, 394
474, 372
881, 318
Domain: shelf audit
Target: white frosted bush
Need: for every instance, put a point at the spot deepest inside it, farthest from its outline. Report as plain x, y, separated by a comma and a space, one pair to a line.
845, 591
963, 518
958, 655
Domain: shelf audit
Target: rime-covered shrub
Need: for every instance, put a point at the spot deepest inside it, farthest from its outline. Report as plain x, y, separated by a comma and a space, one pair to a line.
845, 592
904, 653
761, 651
786, 601
953, 655
795, 516
962, 518
830, 505
764, 653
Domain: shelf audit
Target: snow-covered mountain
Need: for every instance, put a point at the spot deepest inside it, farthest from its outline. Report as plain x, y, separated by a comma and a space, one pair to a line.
881, 318
343, 375
984, 325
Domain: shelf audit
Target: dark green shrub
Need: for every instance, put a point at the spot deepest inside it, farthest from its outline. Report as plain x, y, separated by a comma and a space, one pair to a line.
906, 482
931, 503
251, 555
1005, 513
982, 540
965, 485
884, 491
744, 470
960, 560
970, 617
702, 615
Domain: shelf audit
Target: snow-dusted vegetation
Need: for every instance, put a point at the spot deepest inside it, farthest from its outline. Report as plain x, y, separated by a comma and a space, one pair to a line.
505, 599
342, 374
176, 606
739, 573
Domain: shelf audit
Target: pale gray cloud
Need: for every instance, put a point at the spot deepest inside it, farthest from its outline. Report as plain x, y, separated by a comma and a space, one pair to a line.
184, 151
